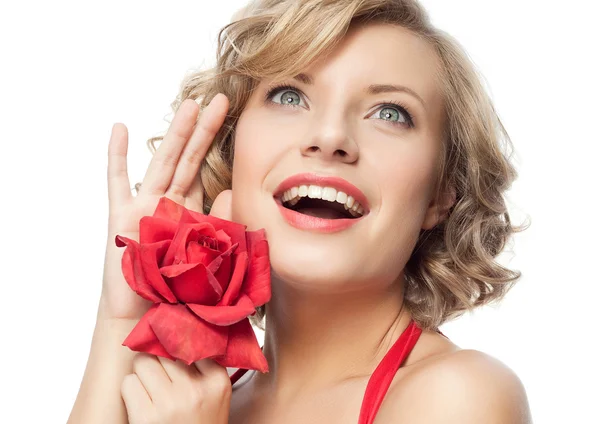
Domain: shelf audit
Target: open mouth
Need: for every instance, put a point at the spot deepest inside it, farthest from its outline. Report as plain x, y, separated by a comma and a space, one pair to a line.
328, 198
320, 208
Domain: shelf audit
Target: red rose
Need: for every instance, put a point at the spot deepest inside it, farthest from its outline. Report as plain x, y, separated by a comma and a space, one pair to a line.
205, 276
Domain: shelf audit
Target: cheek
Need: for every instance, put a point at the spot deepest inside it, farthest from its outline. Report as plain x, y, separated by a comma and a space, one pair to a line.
405, 180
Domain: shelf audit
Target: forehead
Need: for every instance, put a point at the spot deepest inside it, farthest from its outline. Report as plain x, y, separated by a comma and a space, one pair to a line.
381, 54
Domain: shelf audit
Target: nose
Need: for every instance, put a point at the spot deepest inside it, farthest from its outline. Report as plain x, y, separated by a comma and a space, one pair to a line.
330, 141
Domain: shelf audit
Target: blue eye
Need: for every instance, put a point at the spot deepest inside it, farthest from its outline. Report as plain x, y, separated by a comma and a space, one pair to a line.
288, 95
392, 111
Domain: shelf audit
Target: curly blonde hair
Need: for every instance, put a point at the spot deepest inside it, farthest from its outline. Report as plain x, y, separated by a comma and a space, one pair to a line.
452, 268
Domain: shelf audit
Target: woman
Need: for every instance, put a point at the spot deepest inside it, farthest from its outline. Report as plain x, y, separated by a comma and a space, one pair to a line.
323, 110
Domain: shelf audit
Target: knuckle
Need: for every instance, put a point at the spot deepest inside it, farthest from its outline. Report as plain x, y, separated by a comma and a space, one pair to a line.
116, 174
219, 383
168, 159
177, 189
206, 130
194, 157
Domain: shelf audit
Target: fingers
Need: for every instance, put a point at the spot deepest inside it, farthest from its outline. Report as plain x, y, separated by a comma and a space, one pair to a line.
208, 125
134, 394
152, 375
210, 367
163, 163
222, 206
119, 190
214, 375
155, 379
177, 370
206, 370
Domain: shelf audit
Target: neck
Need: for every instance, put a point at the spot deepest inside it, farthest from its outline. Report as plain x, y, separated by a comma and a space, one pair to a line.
315, 340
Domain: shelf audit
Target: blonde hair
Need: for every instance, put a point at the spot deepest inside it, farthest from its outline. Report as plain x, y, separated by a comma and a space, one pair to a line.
452, 268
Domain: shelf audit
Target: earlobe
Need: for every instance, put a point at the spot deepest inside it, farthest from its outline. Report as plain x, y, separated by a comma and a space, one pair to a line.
438, 212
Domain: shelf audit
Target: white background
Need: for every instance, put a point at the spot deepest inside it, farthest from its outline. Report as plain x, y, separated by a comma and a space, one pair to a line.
72, 69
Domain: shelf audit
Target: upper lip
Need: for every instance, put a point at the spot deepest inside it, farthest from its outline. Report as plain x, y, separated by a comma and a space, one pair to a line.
337, 183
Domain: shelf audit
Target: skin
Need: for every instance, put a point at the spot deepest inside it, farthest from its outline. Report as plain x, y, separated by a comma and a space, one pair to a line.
330, 321
119, 385
337, 304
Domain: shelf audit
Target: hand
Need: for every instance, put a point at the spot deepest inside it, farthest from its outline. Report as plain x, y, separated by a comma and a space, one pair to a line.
172, 173
162, 391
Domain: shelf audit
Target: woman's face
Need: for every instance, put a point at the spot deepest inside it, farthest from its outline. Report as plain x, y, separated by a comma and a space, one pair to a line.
335, 127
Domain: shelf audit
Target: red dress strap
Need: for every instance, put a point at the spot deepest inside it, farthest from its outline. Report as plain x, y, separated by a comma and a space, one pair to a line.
383, 375
237, 375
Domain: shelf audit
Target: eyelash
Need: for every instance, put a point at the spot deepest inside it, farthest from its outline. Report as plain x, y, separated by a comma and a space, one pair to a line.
397, 105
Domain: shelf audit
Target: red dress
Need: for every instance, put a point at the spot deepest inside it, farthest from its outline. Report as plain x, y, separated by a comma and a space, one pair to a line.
380, 380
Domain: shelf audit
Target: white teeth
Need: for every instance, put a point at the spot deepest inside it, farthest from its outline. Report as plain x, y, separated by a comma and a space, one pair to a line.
315, 192
329, 194
293, 195
350, 202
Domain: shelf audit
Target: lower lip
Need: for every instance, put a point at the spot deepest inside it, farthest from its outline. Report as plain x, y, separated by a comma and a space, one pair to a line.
313, 223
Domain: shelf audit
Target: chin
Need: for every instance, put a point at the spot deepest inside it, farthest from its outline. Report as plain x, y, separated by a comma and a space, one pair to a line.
313, 267
305, 259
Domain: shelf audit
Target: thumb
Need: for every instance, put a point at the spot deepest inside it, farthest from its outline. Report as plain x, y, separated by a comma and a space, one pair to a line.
221, 207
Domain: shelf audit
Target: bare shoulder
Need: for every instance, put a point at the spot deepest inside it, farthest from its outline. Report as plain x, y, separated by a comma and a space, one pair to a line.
462, 386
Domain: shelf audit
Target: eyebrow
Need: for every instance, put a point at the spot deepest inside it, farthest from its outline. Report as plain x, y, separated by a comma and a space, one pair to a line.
372, 89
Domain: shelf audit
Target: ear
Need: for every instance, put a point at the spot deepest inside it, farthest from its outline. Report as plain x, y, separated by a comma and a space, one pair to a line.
437, 212
221, 207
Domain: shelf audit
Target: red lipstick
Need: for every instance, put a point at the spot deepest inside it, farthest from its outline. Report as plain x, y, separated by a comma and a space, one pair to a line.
313, 223
337, 183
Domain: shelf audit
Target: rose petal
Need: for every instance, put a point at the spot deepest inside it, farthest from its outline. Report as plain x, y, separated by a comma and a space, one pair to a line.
224, 240
151, 255
168, 209
215, 264
195, 285
175, 270
204, 234
237, 278
172, 210
131, 265
153, 229
190, 216
143, 339
185, 233
234, 230
257, 284
198, 254
243, 350
222, 268
185, 336
225, 315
